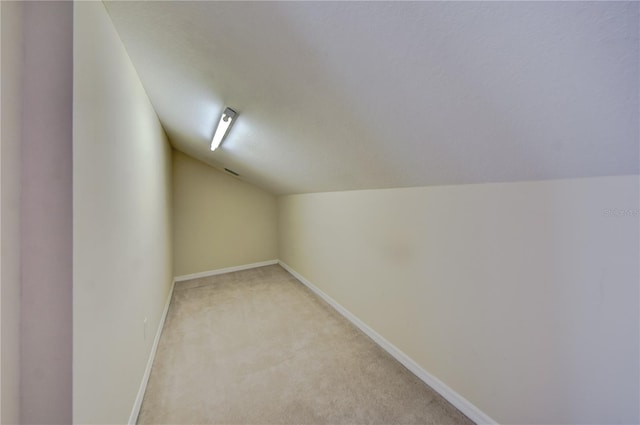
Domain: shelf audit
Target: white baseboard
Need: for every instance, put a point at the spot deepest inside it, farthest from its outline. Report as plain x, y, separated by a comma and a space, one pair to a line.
225, 270
145, 378
462, 404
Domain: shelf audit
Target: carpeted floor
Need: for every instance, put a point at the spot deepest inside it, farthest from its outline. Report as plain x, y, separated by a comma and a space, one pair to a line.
257, 347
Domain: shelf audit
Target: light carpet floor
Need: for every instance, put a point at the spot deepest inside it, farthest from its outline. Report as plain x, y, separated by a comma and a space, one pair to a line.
258, 347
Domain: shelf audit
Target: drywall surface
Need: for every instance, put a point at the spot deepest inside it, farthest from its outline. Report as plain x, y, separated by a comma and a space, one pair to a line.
341, 95
219, 221
122, 270
46, 214
12, 49
521, 297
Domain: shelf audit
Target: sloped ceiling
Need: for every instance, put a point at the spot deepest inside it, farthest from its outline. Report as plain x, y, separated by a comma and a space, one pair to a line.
360, 95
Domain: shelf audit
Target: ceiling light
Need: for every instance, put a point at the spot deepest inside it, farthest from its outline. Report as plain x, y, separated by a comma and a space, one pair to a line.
223, 127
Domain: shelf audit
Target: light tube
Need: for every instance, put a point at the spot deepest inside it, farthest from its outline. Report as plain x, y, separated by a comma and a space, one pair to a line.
223, 127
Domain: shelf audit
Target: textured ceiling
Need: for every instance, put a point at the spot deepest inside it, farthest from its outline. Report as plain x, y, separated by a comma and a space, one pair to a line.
360, 95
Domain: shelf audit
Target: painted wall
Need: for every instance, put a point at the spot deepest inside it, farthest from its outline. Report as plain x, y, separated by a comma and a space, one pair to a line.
219, 221
11, 60
46, 214
122, 270
522, 297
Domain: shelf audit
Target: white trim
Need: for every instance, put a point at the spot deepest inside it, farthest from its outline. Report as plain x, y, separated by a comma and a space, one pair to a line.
145, 378
462, 404
225, 270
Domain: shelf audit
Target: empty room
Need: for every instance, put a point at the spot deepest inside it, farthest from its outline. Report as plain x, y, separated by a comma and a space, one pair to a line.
319, 212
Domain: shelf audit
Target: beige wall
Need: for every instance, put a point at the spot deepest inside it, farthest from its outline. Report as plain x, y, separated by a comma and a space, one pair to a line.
122, 269
11, 55
219, 221
522, 297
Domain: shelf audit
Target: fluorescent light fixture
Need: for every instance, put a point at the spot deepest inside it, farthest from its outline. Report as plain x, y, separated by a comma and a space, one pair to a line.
223, 127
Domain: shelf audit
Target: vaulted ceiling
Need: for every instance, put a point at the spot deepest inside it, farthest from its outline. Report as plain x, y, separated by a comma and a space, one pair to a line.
361, 95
